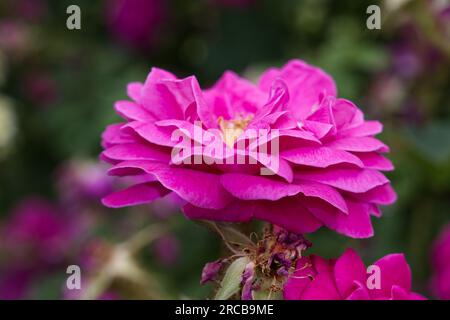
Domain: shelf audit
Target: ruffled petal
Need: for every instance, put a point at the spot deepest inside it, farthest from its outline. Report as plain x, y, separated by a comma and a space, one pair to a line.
383, 195
295, 217
320, 157
348, 269
134, 90
356, 224
237, 211
361, 293
367, 128
352, 180
247, 187
113, 135
132, 111
135, 195
136, 151
306, 84
358, 144
200, 188
321, 288
394, 271
375, 161
299, 280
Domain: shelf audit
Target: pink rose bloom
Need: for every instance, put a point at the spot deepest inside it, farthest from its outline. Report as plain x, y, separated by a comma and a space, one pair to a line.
135, 22
441, 264
37, 232
347, 279
327, 171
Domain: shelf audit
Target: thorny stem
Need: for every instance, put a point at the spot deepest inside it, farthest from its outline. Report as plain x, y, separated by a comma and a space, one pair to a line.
124, 252
143, 238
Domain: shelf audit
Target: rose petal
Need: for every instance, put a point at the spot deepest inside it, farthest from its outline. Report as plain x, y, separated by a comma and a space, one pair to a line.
135, 195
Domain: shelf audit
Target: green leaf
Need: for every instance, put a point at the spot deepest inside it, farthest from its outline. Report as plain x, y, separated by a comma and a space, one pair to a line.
231, 282
260, 294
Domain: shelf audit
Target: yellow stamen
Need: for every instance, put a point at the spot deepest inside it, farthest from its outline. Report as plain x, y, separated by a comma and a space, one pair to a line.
232, 129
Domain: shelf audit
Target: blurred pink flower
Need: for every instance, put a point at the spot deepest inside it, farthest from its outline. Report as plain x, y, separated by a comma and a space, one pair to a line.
346, 279
440, 282
328, 167
135, 22
83, 180
15, 38
15, 282
37, 232
37, 227
37, 238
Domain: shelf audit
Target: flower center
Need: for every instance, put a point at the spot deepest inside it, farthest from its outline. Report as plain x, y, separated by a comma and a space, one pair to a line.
233, 128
